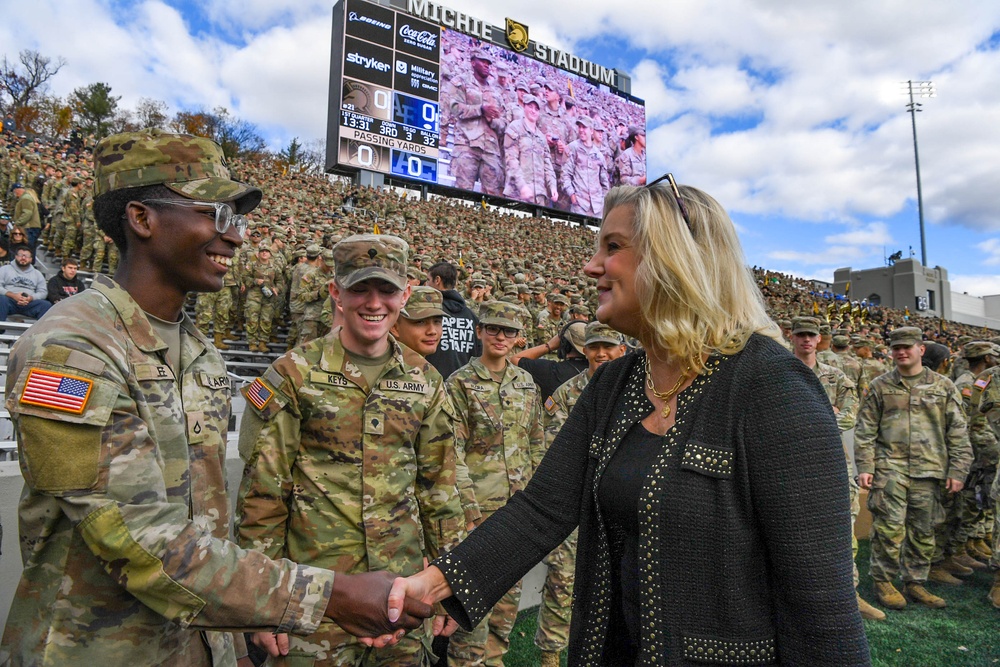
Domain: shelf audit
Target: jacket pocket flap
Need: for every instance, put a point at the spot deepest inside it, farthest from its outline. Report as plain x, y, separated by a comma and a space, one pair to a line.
706, 460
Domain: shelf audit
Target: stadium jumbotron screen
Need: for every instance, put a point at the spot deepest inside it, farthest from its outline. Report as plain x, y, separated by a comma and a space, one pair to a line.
416, 100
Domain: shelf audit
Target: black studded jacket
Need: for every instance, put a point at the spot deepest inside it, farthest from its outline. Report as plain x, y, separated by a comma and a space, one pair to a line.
745, 556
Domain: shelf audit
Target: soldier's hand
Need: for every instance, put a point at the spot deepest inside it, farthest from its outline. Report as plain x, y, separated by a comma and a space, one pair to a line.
555, 194
358, 605
275, 644
954, 485
444, 626
526, 192
865, 480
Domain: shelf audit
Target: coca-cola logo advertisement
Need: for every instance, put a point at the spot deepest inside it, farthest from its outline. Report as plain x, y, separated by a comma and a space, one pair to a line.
418, 38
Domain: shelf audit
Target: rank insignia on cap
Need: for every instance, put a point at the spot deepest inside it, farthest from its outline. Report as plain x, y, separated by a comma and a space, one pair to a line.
259, 394
982, 383
58, 391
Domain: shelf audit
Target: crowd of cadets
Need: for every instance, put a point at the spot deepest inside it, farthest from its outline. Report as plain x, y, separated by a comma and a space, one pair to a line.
280, 278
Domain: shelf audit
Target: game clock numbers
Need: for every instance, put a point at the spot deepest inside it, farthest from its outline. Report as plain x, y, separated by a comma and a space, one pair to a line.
388, 131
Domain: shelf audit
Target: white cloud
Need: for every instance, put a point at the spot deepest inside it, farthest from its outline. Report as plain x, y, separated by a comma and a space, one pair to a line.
992, 249
975, 285
873, 234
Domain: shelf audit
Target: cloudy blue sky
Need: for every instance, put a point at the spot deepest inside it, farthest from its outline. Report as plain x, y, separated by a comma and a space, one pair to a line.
790, 113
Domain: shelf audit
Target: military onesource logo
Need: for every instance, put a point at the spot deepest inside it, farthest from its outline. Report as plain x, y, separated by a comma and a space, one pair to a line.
517, 35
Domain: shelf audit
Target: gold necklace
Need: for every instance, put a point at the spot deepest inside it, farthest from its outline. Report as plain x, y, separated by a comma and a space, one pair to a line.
667, 395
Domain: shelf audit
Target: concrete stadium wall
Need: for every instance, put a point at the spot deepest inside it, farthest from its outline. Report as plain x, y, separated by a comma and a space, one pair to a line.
11, 484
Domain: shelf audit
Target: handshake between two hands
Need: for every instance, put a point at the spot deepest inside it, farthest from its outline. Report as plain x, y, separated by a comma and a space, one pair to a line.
378, 608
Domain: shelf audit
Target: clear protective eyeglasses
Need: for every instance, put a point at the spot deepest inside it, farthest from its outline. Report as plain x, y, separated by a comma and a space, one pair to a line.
224, 215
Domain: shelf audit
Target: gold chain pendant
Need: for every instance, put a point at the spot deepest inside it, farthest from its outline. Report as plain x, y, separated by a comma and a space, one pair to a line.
665, 396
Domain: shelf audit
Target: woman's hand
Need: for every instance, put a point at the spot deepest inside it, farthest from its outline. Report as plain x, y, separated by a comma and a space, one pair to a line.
428, 587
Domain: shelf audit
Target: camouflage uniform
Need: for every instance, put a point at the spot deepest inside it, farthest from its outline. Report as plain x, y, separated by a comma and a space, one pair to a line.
843, 396
546, 327
528, 162
986, 399
313, 295
349, 477
631, 167
585, 176
499, 436
555, 610
124, 518
72, 221
58, 224
295, 304
260, 299
911, 440
963, 513
476, 155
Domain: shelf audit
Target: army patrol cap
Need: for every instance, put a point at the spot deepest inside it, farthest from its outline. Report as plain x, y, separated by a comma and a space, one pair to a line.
313, 251
601, 333
579, 309
906, 336
576, 335
501, 313
808, 325
531, 99
840, 340
585, 121
264, 245
424, 302
193, 167
482, 54
328, 256
559, 298
978, 348
367, 256
785, 324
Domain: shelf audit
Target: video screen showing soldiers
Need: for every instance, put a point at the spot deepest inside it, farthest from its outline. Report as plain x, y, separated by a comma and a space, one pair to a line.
519, 128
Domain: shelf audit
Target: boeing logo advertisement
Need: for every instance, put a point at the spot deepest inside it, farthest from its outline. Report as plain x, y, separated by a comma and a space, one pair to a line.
423, 93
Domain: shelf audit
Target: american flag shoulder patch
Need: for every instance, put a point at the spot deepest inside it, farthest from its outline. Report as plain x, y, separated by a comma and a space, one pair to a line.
55, 390
982, 383
259, 394
550, 405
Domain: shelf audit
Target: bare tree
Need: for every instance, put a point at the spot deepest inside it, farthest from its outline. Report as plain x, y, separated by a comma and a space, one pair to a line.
21, 83
151, 113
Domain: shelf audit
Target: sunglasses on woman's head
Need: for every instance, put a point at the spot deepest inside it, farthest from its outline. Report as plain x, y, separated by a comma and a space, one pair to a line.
677, 196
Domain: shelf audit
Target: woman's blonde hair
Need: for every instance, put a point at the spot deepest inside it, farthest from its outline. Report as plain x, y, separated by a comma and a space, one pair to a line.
696, 292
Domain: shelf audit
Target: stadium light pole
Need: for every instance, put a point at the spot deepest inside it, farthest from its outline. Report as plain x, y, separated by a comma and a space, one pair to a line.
918, 89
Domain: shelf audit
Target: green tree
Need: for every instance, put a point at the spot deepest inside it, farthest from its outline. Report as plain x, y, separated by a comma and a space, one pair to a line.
95, 108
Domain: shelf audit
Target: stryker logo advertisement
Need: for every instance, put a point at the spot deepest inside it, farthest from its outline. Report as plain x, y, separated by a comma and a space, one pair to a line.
368, 62
417, 38
370, 22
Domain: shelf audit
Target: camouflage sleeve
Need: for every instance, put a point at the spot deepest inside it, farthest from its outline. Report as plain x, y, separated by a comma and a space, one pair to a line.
458, 402
536, 434
555, 416
269, 441
957, 436
104, 466
866, 429
847, 404
566, 186
512, 158
982, 434
441, 510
